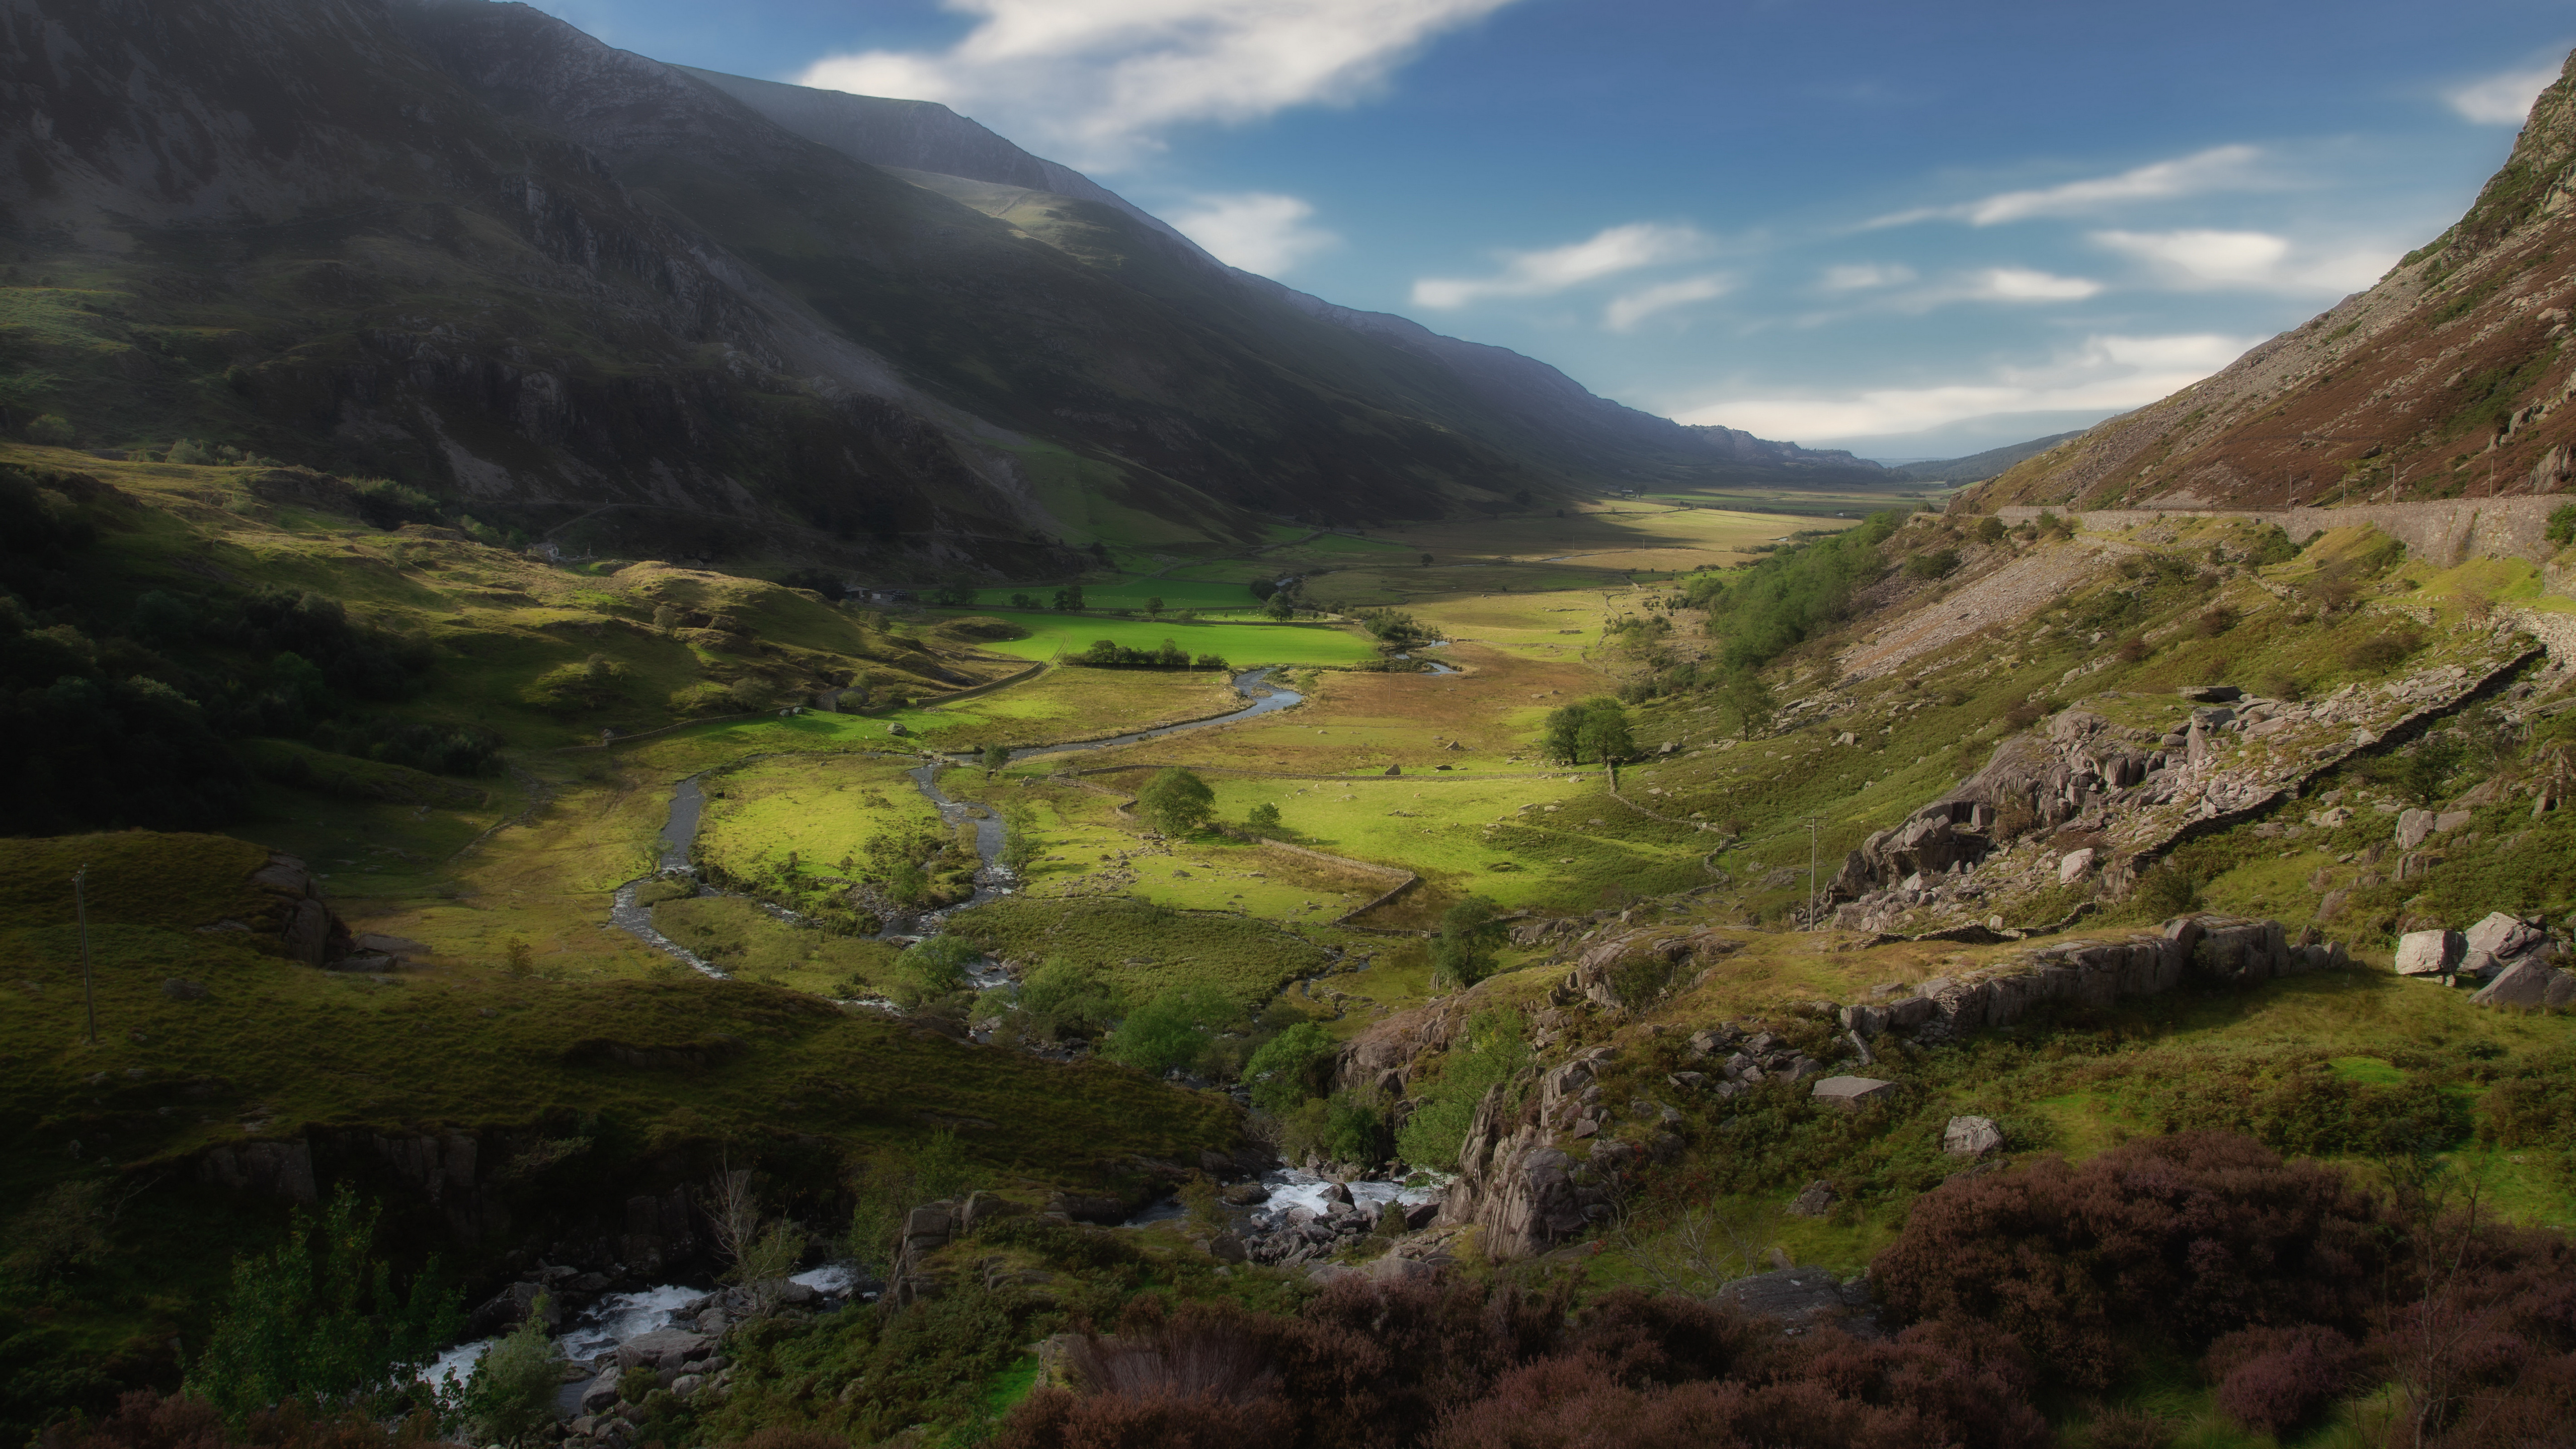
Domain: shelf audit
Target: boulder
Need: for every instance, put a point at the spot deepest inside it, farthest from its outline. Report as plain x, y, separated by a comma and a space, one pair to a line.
1797, 1297
1816, 1200
2414, 827
2430, 953
2072, 868
2505, 936
2528, 984
1972, 1137
664, 1348
1851, 1092
601, 1394
1226, 1248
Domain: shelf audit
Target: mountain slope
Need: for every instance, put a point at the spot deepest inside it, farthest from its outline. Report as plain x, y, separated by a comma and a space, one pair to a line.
1977, 467
2450, 378
1493, 391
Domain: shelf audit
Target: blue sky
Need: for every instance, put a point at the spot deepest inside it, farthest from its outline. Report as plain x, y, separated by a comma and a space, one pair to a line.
1913, 230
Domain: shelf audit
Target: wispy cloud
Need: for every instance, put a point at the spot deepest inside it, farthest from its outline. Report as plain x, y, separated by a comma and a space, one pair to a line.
2106, 373
1863, 276
1625, 312
1536, 274
1097, 83
2216, 169
2198, 261
1259, 231
2501, 100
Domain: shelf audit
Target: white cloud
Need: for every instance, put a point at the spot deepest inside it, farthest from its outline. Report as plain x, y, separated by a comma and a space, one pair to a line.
1259, 231
2021, 284
1862, 276
2219, 168
2198, 261
2501, 100
1536, 274
2105, 374
1097, 82
1625, 312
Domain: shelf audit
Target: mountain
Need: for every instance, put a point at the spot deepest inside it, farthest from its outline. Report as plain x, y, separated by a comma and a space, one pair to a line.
2449, 378
1977, 467
467, 246
1550, 412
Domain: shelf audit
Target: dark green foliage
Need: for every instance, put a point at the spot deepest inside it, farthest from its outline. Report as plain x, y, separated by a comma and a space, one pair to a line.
1393, 626
1494, 1051
318, 1319
1462, 954
1263, 819
1170, 1030
1768, 607
2562, 525
1594, 729
1176, 801
1292, 1067
510, 1395
1938, 564
936, 966
1110, 654
1345, 1127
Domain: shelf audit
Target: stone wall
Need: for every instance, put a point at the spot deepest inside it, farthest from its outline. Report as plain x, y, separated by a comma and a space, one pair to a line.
2443, 532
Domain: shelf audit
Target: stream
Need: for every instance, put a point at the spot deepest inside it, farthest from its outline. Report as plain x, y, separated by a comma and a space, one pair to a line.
628, 913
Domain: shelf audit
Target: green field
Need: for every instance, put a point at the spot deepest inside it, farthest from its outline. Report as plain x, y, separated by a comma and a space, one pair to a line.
1240, 645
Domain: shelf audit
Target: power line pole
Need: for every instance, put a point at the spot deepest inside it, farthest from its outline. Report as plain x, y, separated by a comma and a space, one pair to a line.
89, 988
1812, 822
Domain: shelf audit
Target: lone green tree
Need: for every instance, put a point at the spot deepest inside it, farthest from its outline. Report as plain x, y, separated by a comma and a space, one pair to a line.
1176, 801
1263, 819
1463, 953
1743, 695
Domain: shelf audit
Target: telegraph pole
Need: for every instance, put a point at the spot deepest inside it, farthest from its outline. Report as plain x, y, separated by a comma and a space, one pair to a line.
1812, 822
89, 988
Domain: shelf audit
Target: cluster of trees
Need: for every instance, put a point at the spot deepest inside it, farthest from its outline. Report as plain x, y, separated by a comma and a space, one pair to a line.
1778, 602
1592, 729
1110, 654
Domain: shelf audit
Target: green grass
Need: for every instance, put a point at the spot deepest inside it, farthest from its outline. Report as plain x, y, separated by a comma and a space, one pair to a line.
1240, 645
1145, 949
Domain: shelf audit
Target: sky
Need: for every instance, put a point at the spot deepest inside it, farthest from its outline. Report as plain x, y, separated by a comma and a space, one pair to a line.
1910, 230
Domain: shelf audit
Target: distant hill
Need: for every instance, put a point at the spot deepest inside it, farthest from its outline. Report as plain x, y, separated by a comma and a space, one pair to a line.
2450, 377
1977, 467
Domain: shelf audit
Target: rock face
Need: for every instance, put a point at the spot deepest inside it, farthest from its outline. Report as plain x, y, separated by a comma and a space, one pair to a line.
1513, 1179
308, 929
1972, 1137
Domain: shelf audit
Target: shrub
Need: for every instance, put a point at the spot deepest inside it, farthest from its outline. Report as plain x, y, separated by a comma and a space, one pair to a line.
53, 430
1291, 1067
2182, 1238
1463, 952
510, 1394
2562, 520
2214, 622
2275, 1379
1936, 565
2382, 652
1263, 819
2134, 650
1990, 530
1170, 1030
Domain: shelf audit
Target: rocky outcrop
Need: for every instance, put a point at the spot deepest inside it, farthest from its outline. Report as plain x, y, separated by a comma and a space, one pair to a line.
307, 928
1524, 1191
2131, 795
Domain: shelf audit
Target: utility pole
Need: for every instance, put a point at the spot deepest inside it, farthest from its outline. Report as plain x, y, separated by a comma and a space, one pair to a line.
1812, 822
89, 989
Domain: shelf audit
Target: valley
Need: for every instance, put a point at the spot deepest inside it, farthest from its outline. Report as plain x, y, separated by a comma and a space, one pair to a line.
706, 764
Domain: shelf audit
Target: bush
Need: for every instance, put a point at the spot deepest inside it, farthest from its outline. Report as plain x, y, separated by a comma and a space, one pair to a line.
2273, 1380
1936, 565
1170, 1030
510, 1395
53, 430
1492, 1051
2382, 652
1592, 729
1463, 952
1291, 1067
2562, 523
2181, 1238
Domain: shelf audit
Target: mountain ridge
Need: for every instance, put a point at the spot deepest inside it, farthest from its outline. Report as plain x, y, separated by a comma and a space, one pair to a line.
2448, 378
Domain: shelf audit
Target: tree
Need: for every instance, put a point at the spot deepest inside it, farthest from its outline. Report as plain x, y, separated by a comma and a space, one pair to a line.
1154, 605
1069, 599
996, 755
1604, 733
1744, 695
510, 1394
1170, 1030
1280, 606
937, 966
1262, 588
1176, 801
318, 1319
1426, 560
1463, 953
1291, 1067
1263, 819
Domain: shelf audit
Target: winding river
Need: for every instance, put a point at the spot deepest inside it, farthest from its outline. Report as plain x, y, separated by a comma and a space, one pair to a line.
628, 913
